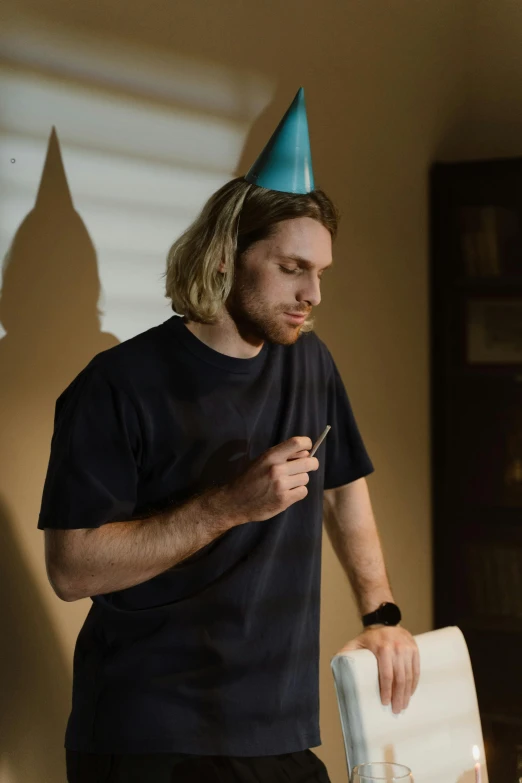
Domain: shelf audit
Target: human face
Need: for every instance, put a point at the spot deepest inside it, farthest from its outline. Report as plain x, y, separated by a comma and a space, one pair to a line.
278, 276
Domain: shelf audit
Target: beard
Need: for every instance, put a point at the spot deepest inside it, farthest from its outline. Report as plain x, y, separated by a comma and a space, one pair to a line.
256, 320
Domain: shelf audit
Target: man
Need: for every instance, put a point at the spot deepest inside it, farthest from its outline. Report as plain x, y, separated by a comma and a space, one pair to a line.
181, 496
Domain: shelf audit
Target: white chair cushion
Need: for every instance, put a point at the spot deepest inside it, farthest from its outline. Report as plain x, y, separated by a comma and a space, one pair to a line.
435, 736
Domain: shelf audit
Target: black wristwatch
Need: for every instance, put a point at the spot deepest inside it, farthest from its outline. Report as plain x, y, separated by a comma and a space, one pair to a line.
386, 614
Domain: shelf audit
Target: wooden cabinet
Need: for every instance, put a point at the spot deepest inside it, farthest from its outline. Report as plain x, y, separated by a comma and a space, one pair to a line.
476, 421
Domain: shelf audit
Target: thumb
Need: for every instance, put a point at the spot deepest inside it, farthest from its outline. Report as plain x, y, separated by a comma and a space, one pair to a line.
354, 644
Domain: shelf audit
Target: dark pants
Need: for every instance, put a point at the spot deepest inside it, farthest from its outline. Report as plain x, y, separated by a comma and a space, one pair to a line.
302, 767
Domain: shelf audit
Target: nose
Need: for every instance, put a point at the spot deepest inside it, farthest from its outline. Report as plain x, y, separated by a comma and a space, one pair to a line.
310, 291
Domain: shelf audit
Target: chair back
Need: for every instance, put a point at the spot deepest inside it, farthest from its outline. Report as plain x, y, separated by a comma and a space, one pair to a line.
436, 734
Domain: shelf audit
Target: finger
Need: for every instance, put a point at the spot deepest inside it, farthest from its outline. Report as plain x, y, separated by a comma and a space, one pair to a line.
407, 657
289, 448
416, 668
385, 661
399, 683
349, 647
305, 465
295, 480
299, 443
299, 455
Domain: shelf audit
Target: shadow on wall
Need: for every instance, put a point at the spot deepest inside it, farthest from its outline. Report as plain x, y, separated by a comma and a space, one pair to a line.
33, 676
262, 128
49, 310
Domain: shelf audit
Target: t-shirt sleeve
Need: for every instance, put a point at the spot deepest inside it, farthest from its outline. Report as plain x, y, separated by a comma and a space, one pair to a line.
93, 468
346, 457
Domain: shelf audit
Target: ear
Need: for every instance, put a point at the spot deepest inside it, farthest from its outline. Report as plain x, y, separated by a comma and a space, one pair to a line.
221, 267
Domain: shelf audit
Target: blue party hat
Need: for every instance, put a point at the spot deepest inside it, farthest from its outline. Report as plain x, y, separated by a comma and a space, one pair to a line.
285, 164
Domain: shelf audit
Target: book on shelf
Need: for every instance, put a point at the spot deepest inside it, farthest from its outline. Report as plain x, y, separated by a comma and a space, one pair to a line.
494, 574
491, 241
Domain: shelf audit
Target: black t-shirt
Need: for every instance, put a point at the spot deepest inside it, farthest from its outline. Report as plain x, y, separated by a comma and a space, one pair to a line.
219, 654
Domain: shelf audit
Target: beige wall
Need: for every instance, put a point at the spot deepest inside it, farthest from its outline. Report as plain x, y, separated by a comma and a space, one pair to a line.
492, 122
389, 85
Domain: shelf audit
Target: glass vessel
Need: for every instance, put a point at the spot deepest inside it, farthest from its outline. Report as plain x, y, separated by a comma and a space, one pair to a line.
377, 772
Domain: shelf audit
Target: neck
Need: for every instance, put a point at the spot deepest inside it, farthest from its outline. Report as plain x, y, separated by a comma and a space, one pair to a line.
224, 337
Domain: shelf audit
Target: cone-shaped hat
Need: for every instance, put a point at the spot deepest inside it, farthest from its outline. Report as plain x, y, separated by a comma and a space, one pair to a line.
286, 162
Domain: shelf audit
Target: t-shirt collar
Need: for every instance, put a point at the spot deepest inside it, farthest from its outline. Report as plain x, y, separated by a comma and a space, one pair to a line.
207, 354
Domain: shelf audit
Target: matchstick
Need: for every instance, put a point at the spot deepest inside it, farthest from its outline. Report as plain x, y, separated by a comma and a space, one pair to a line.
320, 440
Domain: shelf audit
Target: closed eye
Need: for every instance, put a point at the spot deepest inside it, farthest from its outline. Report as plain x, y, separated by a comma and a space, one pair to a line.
297, 271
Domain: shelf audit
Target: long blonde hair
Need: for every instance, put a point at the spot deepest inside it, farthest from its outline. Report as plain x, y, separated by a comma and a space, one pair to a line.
234, 217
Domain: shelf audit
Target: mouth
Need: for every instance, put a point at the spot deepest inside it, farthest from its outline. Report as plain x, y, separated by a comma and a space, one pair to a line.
296, 318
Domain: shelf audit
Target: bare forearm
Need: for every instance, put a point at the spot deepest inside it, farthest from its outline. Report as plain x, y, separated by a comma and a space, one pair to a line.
351, 527
123, 554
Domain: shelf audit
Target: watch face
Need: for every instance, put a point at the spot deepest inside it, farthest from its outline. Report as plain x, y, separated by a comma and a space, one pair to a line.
389, 614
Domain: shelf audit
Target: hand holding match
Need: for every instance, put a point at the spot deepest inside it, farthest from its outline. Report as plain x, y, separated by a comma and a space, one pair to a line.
320, 440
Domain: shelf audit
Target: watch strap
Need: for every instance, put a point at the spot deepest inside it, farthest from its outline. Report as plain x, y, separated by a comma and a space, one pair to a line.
386, 614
